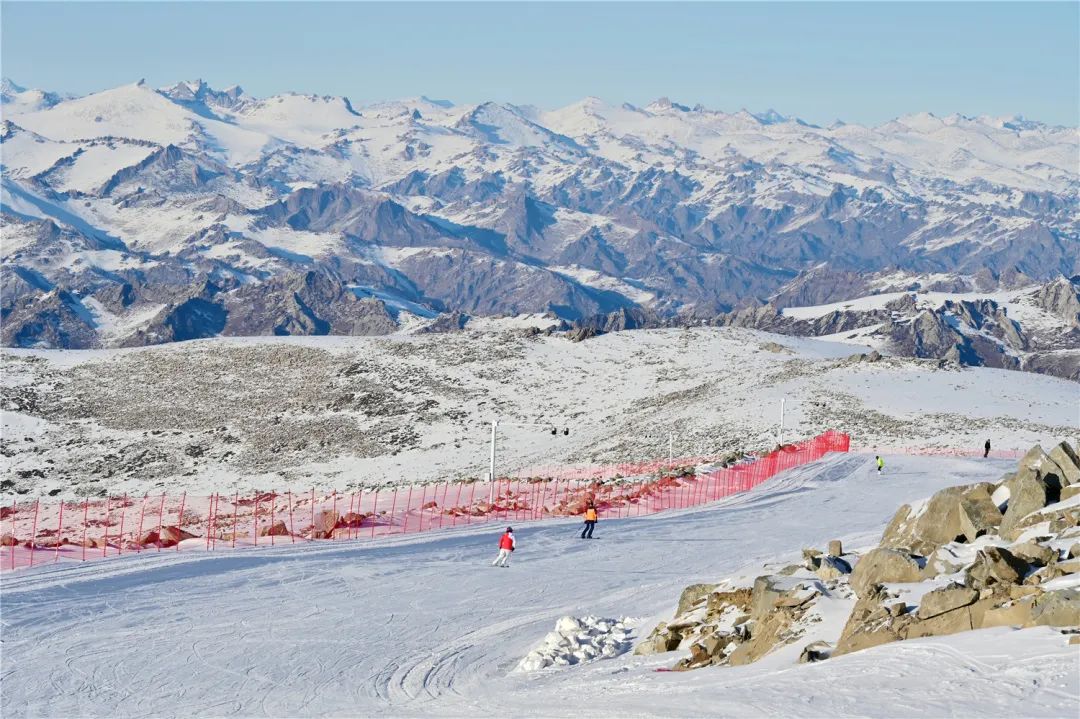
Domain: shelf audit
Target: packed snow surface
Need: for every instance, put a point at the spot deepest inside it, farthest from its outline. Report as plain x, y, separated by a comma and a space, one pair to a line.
423, 626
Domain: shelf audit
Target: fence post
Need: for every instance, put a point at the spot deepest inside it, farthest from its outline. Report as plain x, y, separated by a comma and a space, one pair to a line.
59, 532
374, 512
353, 498
33, 531
313, 514
123, 511
142, 515
442, 505
457, 506
105, 541
14, 510
408, 506
255, 518
209, 521
359, 514
393, 509
235, 506
292, 533
85, 512
472, 497
180, 521
334, 515
349, 521
160, 518
423, 496
273, 506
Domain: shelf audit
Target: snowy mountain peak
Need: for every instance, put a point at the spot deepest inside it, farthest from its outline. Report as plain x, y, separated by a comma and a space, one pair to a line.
198, 92
770, 117
17, 99
664, 104
8, 87
445, 104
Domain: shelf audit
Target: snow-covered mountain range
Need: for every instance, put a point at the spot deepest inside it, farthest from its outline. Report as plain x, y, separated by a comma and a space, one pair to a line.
139, 215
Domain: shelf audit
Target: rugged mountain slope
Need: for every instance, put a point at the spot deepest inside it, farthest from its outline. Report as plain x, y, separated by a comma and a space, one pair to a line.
1035, 329
426, 207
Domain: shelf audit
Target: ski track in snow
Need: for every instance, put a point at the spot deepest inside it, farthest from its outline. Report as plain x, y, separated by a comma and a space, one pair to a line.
422, 625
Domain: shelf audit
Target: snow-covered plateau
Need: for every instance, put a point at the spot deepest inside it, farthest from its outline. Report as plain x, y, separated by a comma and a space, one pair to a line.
229, 414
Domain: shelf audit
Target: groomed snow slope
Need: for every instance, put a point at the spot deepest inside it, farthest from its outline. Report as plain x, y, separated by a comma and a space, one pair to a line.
422, 626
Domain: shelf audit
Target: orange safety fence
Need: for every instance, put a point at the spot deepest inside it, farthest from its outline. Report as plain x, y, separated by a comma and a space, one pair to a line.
46, 530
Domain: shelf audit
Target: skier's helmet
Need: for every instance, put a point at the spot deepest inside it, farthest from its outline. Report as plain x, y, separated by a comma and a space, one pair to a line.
509, 529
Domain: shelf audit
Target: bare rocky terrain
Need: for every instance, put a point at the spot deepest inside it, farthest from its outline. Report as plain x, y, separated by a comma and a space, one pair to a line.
345, 412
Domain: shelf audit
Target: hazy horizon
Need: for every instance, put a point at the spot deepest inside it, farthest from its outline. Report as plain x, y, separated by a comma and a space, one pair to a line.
817, 61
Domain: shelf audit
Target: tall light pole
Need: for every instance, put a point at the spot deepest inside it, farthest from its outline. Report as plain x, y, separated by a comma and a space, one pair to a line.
780, 433
495, 424
491, 469
783, 403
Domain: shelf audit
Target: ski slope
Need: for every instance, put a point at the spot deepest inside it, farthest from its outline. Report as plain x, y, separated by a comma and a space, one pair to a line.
423, 626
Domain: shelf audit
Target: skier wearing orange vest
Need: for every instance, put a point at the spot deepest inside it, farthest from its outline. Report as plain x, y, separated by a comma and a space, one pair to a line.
590, 521
507, 544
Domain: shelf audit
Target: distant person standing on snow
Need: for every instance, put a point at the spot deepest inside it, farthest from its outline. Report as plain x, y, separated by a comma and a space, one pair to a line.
880, 463
590, 521
986, 449
507, 544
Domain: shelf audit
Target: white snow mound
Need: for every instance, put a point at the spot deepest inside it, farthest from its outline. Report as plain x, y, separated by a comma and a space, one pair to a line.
579, 640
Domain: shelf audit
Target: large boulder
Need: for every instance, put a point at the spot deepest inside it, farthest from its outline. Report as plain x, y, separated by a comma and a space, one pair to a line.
1034, 553
995, 566
728, 604
872, 621
924, 529
775, 626
1057, 608
1065, 457
883, 565
662, 639
945, 599
1028, 493
171, 536
326, 522
277, 529
832, 567
709, 649
692, 596
978, 515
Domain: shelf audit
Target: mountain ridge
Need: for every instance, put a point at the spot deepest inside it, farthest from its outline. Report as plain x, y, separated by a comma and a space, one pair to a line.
490, 209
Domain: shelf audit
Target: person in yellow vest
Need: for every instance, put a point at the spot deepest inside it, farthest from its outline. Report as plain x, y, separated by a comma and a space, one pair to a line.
590, 521
880, 463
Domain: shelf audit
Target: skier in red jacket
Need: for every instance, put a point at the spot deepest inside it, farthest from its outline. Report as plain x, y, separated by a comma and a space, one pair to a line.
507, 544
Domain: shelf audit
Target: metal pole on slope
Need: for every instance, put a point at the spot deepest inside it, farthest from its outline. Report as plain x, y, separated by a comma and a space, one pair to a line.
780, 434
491, 468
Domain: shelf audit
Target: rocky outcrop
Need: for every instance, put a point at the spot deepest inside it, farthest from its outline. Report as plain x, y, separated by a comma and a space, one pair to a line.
947, 566
882, 565
1060, 298
949, 514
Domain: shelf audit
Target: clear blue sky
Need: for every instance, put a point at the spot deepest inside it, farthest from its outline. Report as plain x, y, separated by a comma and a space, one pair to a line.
863, 62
